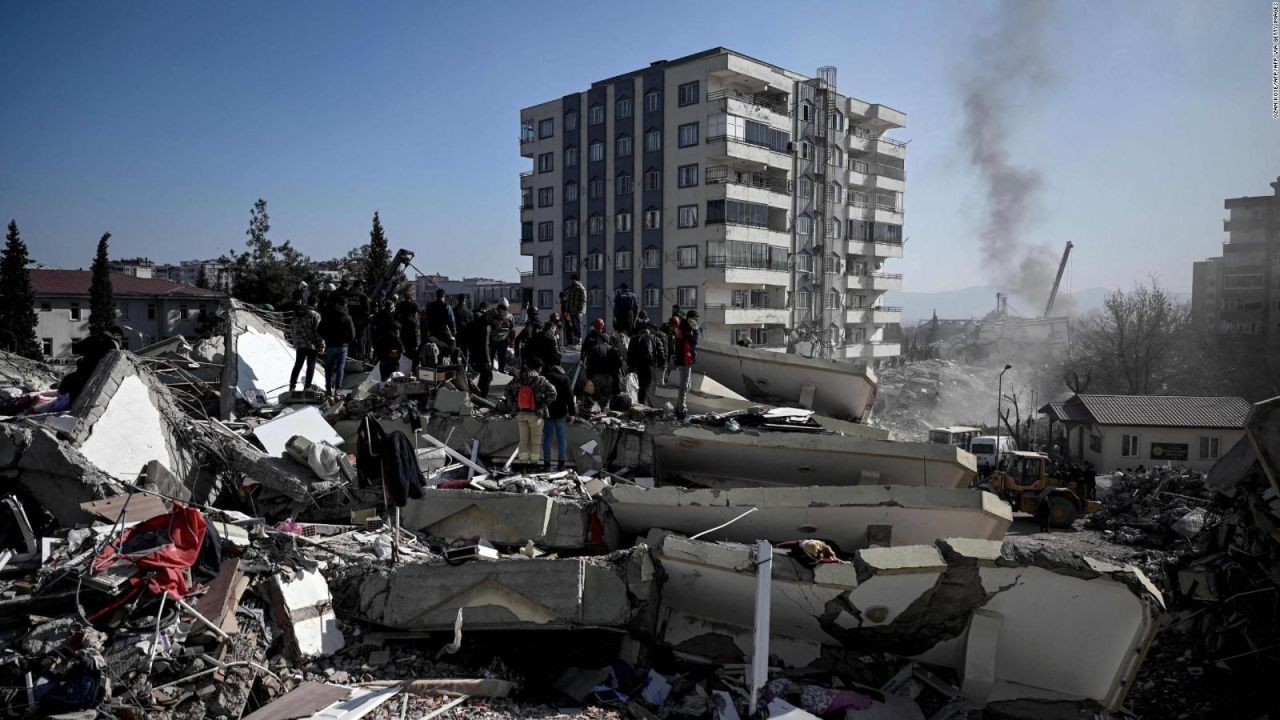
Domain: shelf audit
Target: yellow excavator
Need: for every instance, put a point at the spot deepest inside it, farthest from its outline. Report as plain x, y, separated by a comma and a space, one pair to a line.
1023, 480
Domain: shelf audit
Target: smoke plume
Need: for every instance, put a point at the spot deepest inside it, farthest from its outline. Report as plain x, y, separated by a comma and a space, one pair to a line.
1009, 67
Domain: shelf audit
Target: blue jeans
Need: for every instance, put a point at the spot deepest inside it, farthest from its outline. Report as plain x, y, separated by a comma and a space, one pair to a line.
561, 429
335, 364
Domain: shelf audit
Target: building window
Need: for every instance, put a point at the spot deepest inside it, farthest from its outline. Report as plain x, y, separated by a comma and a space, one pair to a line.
526, 131
652, 258
806, 111
804, 226
546, 127
803, 300
122, 311
833, 300
151, 307
571, 157
595, 151
595, 188
622, 111
570, 121
687, 134
623, 146
571, 192
689, 93
184, 313
653, 101
687, 296
804, 150
651, 297
571, 227
804, 187
1095, 443
857, 198
595, 114
687, 216
835, 193
526, 198
546, 162
622, 260
544, 299
546, 264
75, 345
687, 257
804, 263
526, 232
1208, 448
46, 307
571, 263
546, 231
859, 166
653, 179
595, 225
652, 219
687, 175
833, 228
653, 141
46, 346
835, 157
623, 183
622, 222
1128, 446
595, 262
75, 312
546, 197
595, 297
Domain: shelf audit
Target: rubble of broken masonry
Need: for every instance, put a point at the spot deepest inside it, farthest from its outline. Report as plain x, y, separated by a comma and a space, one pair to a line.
187, 538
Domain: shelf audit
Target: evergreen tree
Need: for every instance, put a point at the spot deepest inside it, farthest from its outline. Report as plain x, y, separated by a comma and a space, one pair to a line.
18, 311
202, 279
102, 304
377, 257
267, 274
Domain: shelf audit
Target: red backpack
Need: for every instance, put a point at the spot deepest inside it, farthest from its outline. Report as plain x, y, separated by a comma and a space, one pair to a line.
525, 400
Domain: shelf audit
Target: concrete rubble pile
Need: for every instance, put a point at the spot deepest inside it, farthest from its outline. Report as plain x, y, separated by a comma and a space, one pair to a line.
383, 555
917, 396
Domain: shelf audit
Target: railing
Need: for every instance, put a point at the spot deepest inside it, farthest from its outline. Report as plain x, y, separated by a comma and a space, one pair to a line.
525, 274
888, 171
886, 276
526, 206
722, 174
741, 223
526, 173
750, 99
526, 139
725, 261
524, 240
744, 141
731, 306
891, 141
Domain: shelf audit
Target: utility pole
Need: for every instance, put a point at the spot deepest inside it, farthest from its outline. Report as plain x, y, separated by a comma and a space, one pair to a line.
999, 400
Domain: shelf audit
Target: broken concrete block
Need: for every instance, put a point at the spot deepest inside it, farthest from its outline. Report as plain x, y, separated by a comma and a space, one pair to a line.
56, 475
500, 517
841, 514
503, 594
303, 607
307, 422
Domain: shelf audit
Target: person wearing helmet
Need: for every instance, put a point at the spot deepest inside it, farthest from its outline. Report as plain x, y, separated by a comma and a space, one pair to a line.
502, 329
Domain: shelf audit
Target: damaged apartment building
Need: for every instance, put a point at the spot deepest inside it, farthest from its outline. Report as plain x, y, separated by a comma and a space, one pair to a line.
191, 540
764, 199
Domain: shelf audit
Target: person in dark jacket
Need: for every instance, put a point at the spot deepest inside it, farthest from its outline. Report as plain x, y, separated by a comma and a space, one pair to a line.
306, 341
604, 371
407, 312
475, 342
337, 331
542, 344
685, 349
360, 310
594, 335
439, 324
91, 352
387, 345
462, 317
643, 355
559, 413
502, 327
625, 307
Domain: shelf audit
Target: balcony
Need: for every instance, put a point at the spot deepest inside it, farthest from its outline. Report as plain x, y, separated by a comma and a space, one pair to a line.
773, 105
874, 281
526, 278
526, 246
871, 248
862, 210
890, 147
724, 146
739, 315
870, 350
725, 175
748, 270
880, 315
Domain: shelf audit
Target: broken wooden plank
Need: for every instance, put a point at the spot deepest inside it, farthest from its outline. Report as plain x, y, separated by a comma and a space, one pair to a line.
303, 701
220, 603
137, 507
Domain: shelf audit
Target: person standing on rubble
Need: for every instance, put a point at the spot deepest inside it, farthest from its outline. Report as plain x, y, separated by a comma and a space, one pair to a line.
575, 301
669, 334
91, 351
387, 345
603, 366
358, 308
307, 343
500, 333
529, 397
337, 331
542, 344
559, 415
625, 307
687, 334
407, 314
644, 356
462, 317
474, 341
532, 326
442, 325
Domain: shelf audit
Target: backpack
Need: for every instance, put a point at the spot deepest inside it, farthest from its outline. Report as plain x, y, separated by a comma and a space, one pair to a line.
525, 400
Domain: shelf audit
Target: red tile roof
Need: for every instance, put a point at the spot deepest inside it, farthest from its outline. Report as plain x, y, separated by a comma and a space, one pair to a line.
76, 282
1162, 410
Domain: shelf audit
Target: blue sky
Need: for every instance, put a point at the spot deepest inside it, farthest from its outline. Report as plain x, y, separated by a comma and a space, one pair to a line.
162, 122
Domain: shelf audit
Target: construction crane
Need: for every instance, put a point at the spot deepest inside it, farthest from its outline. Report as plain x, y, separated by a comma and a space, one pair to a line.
1053, 294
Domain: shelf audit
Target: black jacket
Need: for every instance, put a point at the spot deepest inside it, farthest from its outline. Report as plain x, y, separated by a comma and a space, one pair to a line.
604, 359
440, 320
543, 346
562, 406
336, 327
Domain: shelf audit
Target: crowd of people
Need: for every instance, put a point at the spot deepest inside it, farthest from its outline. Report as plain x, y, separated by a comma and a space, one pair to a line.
342, 321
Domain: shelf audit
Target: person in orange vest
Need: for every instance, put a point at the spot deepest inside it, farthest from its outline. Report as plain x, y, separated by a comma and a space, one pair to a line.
529, 396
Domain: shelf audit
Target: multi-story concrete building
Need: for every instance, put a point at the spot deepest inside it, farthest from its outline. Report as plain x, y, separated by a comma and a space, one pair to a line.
1236, 296
479, 289
187, 272
761, 197
148, 309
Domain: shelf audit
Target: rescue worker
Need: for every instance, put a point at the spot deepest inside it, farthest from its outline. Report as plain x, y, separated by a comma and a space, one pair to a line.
625, 307
685, 352
575, 300
529, 396
559, 415
441, 324
502, 328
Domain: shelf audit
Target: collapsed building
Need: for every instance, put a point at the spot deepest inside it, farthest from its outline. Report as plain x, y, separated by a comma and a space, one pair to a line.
300, 558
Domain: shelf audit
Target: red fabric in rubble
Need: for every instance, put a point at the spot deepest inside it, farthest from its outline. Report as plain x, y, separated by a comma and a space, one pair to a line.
185, 527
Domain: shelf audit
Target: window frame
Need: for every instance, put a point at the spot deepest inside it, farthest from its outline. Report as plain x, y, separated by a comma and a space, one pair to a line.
623, 104
570, 262
653, 140
1129, 445
571, 156
571, 191
570, 227
689, 93
652, 219
621, 143
595, 114
546, 228
546, 264
546, 162
547, 196
595, 151
75, 313
622, 259
687, 296
682, 131
571, 121
653, 100
545, 299
681, 261
651, 259
682, 214
652, 179
654, 300
622, 221
624, 183
543, 125
681, 172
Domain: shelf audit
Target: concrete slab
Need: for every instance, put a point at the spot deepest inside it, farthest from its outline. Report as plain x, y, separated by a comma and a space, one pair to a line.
307, 422
500, 517
303, 607
501, 594
842, 389
839, 514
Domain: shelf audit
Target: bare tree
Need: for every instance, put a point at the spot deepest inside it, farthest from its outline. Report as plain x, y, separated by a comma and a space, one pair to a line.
1132, 345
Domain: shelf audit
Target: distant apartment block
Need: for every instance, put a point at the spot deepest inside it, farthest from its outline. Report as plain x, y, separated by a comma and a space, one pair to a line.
136, 267
764, 198
1236, 296
188, 272
479, 289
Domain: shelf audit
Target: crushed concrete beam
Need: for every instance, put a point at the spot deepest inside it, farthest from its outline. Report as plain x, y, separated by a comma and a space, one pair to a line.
504, 594
264, 356
1068, 628
303, 607
839, 514
841, 389
279, 474
500, 517
53, 472
750, 458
